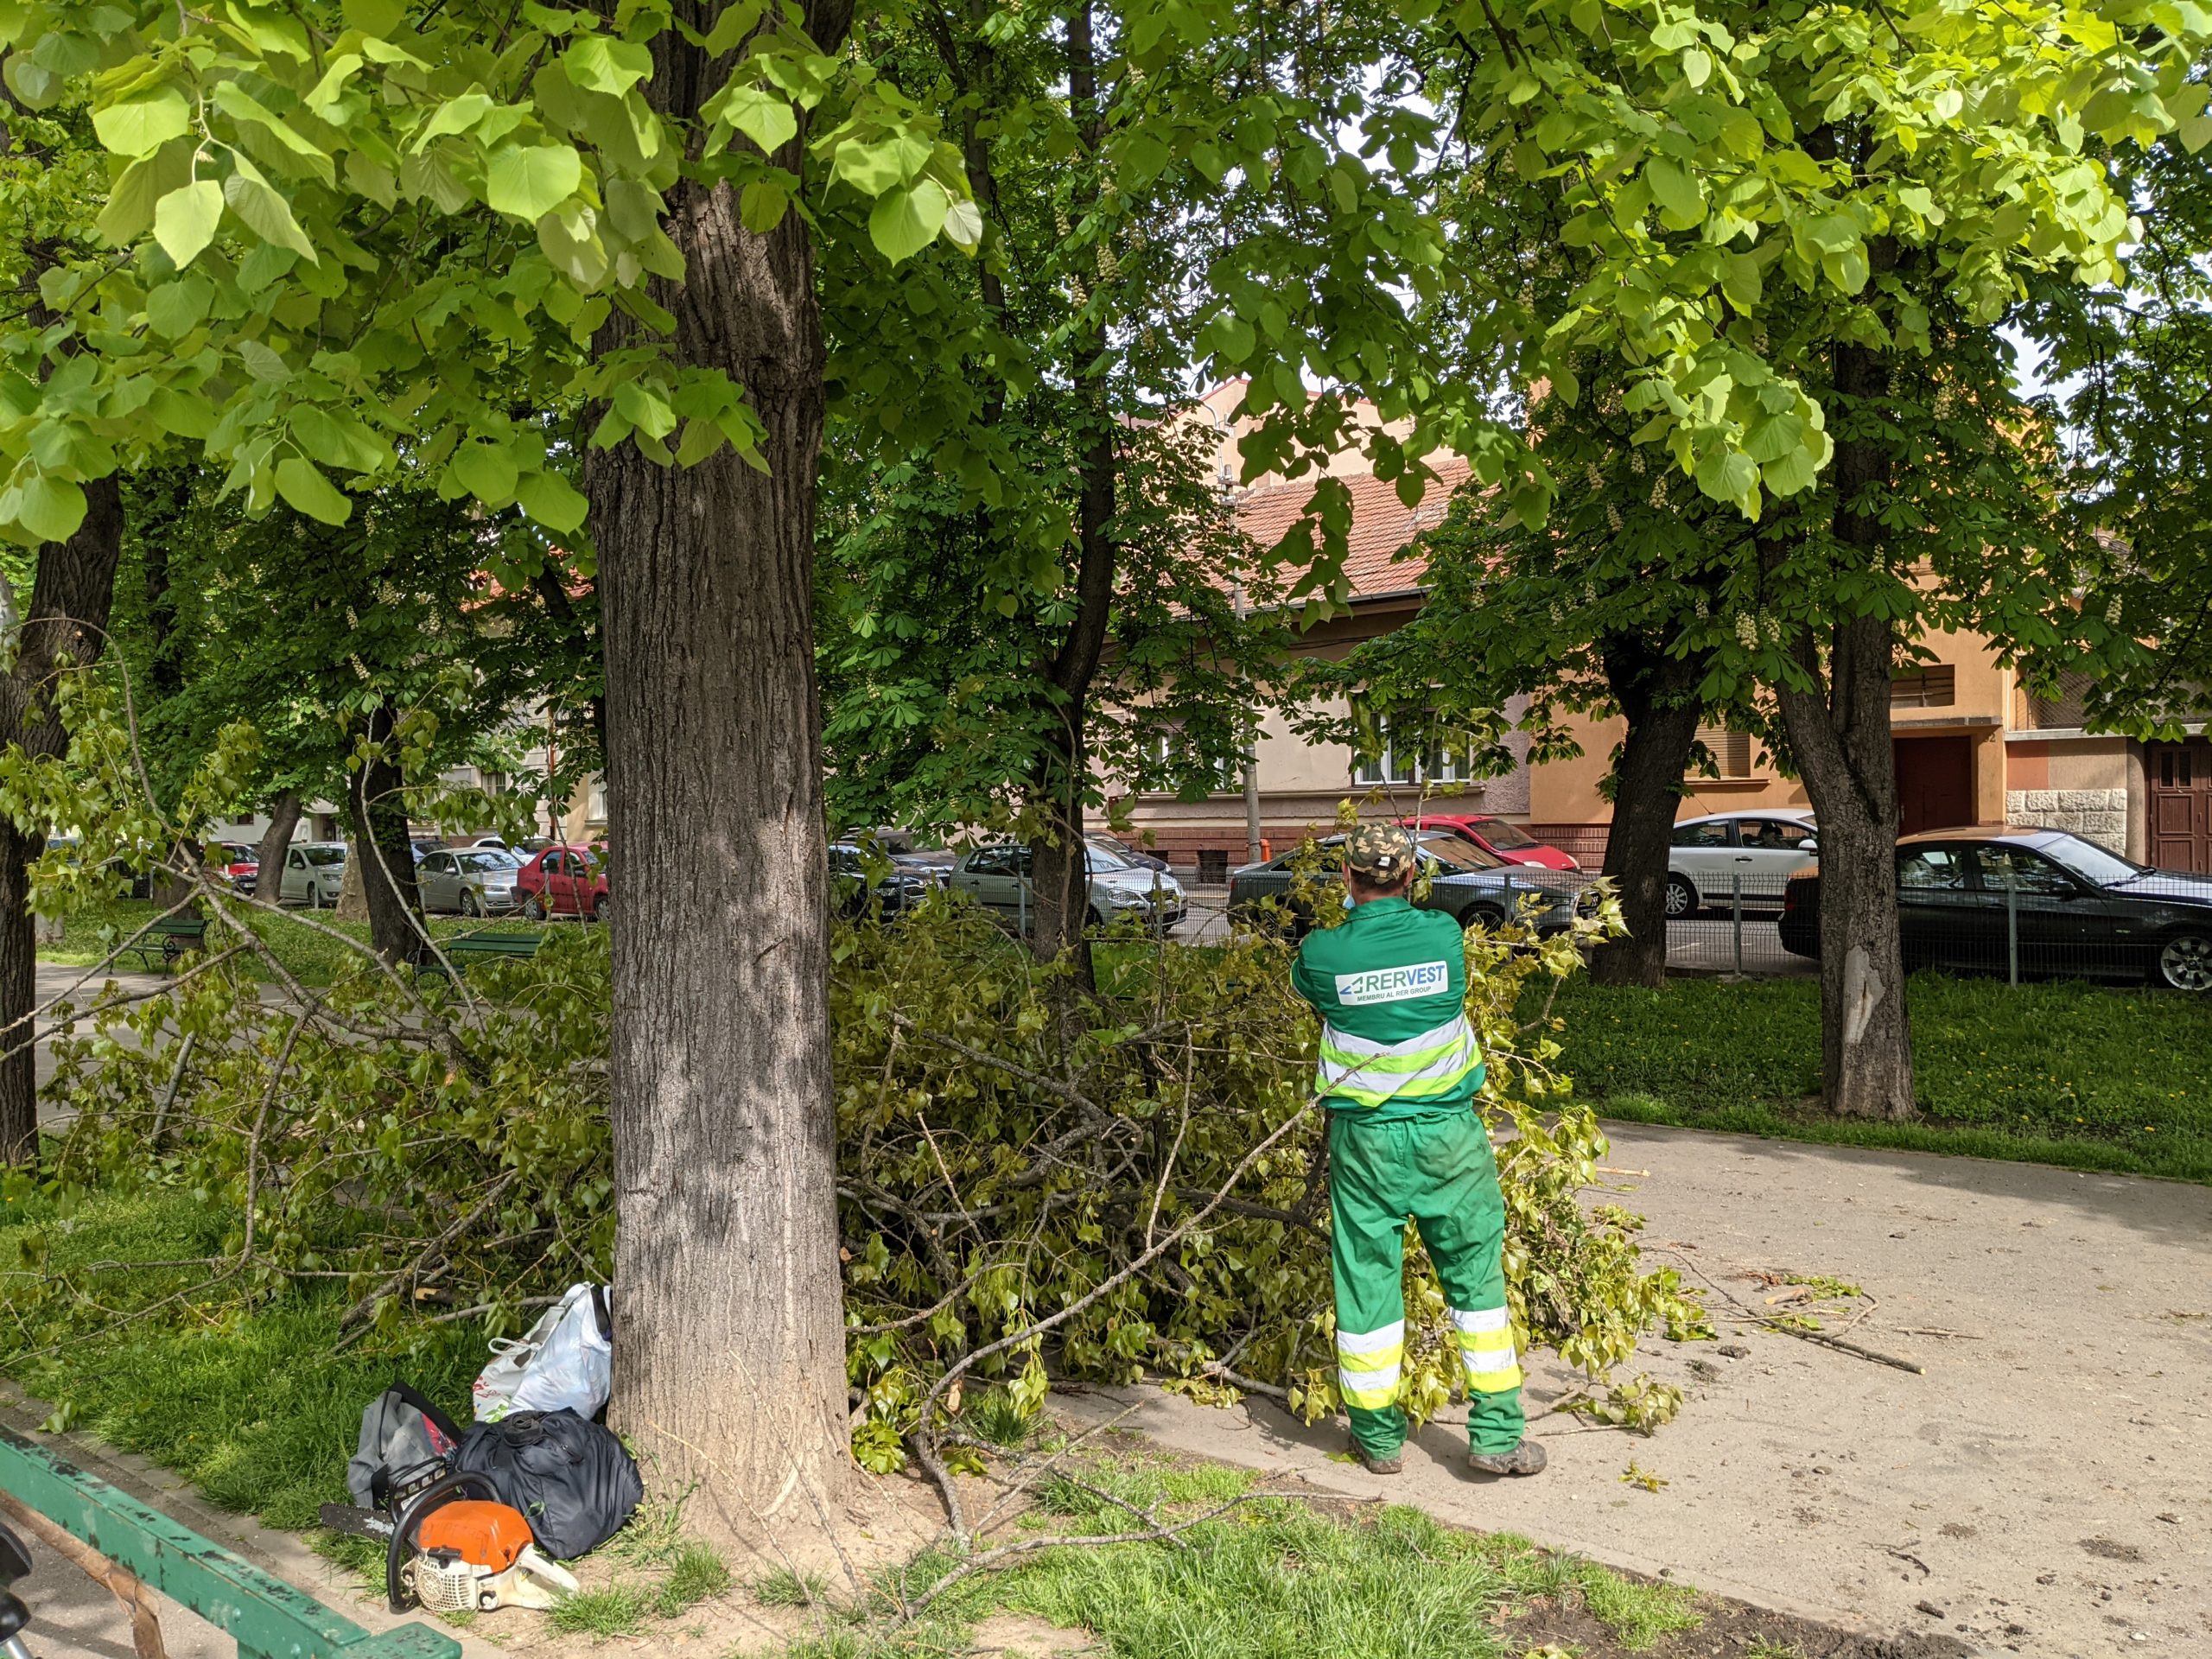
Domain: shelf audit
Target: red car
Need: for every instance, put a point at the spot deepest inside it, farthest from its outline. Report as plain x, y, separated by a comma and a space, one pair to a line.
236, 862
1509, 841
563, 881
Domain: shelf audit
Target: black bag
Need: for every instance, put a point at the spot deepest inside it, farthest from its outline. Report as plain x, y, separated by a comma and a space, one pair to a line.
569, 1477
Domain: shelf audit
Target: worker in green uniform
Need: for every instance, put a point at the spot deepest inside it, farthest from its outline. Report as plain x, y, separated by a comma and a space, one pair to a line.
1400, 1069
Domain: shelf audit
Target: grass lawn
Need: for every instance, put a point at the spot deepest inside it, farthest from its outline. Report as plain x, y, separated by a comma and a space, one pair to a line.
2082, 1076
312, 956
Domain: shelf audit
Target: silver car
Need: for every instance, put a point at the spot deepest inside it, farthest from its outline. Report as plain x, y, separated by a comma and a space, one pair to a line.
473, 881
998, 879
1715, 857
313, 872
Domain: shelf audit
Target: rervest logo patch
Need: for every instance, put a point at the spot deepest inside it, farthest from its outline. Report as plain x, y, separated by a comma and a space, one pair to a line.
1393, 984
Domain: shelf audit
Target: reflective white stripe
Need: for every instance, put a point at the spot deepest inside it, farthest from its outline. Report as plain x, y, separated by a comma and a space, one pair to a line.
1368, 1383
1372, 1342
1365, 1078
1368, 1046
1483, 1318
1485, 1364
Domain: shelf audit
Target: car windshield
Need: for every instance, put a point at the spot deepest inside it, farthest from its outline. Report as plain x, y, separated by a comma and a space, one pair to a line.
480, 861
1456, 852
1103, 860
2092, 863
1499, 833
323, 856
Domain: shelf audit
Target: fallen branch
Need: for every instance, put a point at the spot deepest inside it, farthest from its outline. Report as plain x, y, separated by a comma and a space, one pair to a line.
119, 1581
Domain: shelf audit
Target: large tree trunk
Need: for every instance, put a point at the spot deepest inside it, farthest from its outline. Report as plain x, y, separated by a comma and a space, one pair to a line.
1657, 693
71, 597
382, 854
1843, 747
730, 1351
1059, 862
284, 819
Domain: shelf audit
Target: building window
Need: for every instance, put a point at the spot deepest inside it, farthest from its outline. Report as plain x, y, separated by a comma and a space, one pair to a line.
1731, 751
1931, 685
1171, 759
1410, 753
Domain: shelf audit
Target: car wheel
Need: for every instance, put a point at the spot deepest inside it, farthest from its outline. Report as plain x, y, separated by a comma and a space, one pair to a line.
532, 911
468, 907
1485, 917
1091, 918
2185, 962
1681, 897
600, 912
315, 895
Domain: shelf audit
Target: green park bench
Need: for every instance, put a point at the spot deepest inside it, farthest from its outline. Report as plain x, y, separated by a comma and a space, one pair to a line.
267, 1617
463, 949
163, 940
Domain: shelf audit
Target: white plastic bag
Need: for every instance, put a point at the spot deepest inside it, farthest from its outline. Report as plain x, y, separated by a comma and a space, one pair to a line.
565, 1361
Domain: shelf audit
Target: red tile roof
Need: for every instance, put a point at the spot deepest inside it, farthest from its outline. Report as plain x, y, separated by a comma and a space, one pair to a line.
1382, 524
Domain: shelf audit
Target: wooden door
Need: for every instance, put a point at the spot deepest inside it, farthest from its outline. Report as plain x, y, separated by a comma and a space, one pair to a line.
1935, 783
2181, 804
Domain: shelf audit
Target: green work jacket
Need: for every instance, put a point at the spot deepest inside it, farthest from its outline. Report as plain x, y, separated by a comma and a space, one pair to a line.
1390, 985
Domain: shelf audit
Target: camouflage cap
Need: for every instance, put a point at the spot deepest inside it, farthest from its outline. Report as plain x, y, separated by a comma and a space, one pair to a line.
1381, 852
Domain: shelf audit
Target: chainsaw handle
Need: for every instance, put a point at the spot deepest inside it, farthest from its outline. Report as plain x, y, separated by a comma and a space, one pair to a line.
409, 1521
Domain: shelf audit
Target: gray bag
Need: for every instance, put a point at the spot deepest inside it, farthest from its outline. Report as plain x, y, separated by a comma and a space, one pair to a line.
405, 1445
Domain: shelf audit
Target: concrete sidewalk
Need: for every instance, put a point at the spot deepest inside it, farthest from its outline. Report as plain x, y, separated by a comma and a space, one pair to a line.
2045, 1488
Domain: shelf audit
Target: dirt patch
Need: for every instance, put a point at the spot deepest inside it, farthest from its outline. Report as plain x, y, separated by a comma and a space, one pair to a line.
1731, 1630
2106, 1549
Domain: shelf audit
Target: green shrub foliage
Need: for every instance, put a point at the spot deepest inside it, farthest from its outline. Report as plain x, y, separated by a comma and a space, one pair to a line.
1030, 1182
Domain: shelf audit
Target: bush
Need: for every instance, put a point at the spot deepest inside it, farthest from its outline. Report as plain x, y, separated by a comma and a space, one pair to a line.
1118, 1187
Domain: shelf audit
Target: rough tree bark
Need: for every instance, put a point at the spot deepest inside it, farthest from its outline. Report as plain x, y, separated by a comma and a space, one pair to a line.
381, 859
730, 1352
1657, 694
284, 819
1841, 741
1059, 862
71, 597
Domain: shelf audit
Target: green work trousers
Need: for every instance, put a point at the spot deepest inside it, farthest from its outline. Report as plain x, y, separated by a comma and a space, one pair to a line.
1439, 1169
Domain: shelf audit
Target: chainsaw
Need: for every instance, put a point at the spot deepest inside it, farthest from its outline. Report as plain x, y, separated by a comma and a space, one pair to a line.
452, 1553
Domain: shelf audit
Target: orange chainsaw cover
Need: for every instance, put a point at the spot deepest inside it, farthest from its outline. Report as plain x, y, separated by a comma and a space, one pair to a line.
484, 1535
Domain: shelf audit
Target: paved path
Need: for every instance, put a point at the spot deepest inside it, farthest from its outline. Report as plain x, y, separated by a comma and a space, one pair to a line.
2046, 1486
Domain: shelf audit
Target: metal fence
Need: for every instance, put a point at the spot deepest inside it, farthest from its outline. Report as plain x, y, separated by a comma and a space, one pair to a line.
1997, 916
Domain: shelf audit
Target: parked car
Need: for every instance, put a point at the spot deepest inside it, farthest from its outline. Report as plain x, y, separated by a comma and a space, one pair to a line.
235, 862
998, 879
472, 881
563, 881
932, 864
1500, 837
1467, 882
860, 876
2079, 909
1764, 849
1121, 850
314, 871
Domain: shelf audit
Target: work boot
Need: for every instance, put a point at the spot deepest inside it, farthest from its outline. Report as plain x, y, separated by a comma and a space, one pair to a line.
1526, 1458
1374, 1465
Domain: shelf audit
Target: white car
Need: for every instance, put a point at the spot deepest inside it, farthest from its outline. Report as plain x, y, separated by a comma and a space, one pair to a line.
1761, 849
313, 872
998, 879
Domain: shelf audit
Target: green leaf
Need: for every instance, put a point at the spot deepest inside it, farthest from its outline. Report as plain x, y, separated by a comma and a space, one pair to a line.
185, 220
963, 225
185, 413
130, 204
600, 63
486, 471
762, 205
530, 180
1676, 189
551, 500
453, 118
737, 20
267, 214
174, 310
146, 122
50, 509
308, 491
762, 116
906, 221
